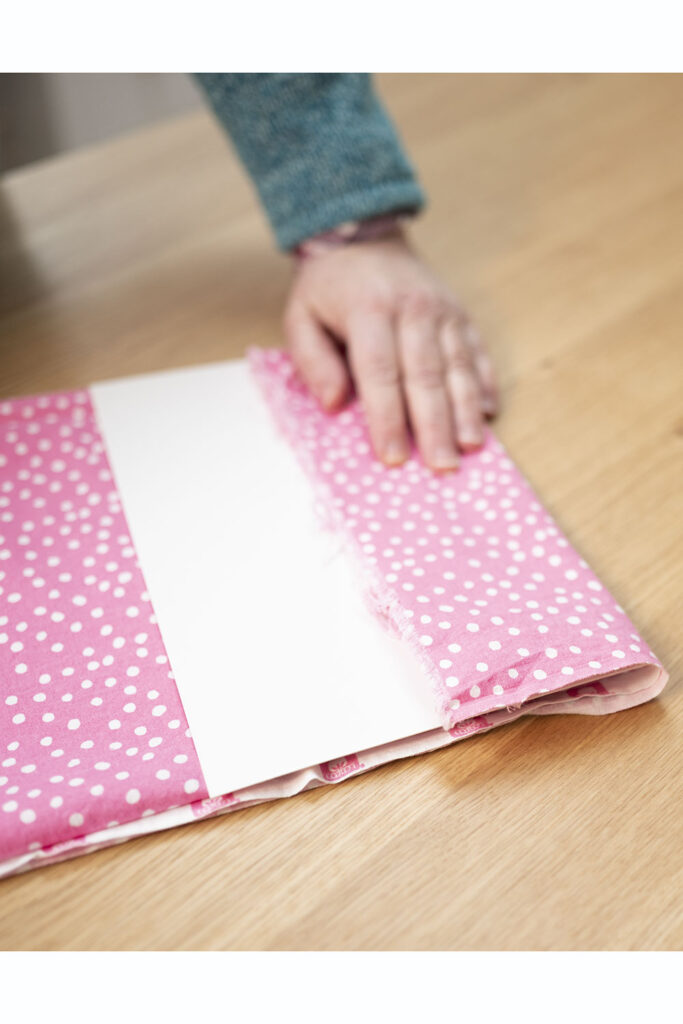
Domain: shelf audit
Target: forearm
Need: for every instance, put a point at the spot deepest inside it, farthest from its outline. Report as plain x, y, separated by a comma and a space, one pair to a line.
320, 148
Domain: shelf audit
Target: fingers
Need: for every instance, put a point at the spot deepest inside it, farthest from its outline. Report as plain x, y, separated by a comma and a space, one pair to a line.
375, 367
424, 380
464, 386
317, 358
420, 366
411, 364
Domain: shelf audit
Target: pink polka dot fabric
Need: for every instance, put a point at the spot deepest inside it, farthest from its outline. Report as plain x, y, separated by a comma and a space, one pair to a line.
468, 567
92, 730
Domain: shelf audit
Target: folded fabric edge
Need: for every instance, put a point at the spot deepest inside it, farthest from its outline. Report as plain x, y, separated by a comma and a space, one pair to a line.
636, 687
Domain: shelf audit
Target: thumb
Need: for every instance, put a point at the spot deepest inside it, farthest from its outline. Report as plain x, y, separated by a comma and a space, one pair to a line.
316, 357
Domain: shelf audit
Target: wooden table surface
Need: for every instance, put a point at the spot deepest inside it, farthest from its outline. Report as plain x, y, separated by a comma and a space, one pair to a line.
557, 213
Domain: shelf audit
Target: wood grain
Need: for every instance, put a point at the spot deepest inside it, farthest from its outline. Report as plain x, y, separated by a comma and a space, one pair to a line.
557, 212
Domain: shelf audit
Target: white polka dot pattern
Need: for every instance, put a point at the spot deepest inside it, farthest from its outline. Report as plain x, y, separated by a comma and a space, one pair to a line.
94, 744
92, 728
469, 566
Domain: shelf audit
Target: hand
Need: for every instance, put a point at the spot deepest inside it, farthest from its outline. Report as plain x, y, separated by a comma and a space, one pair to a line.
414, 355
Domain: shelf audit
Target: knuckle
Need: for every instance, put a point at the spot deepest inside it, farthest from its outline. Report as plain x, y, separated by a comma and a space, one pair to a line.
376, 363
431, 426
386, 426
426, 376
377, 303
418, 304
459, 358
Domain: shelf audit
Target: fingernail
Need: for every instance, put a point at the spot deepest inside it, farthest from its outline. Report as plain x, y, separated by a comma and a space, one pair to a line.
329, 396
444, 458
395, 453
470, 442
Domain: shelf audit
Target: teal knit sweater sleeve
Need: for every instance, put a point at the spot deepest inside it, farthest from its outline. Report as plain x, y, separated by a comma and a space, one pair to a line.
320, 148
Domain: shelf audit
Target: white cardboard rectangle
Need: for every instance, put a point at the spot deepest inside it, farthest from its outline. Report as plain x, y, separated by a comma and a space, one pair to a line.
277, 660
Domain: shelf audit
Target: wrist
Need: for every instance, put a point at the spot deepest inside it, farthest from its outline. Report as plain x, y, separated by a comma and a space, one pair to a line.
349, 233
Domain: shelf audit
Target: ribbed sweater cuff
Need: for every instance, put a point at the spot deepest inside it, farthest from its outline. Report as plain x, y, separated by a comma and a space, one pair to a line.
388, 197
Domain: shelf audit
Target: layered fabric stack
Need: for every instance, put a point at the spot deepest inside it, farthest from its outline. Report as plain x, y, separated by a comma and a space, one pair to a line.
212, 594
